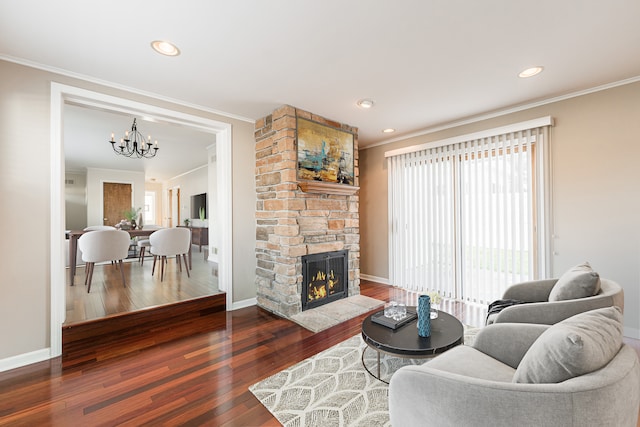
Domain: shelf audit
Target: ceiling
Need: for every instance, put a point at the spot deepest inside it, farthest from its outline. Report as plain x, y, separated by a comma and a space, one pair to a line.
86, 144
425, 63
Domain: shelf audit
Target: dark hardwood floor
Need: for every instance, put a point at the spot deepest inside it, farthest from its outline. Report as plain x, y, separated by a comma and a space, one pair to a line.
201, 379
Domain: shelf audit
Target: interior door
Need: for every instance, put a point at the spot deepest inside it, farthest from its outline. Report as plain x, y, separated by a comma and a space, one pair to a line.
116, 200
174, 206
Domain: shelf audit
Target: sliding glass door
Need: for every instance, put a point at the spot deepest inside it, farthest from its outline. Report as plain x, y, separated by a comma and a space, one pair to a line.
465, 217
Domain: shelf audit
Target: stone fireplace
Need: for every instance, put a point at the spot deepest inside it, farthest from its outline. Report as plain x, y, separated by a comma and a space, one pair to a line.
297, 218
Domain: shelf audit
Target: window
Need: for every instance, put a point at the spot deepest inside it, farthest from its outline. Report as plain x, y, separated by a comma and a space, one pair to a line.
467, 216
150, 207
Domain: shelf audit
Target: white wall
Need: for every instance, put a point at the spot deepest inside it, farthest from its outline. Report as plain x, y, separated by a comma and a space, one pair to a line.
191, 183
75, 197
244, 214
25, 186
95, 180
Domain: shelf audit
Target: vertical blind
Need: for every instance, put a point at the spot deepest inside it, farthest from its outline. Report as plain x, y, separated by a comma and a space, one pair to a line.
467, 217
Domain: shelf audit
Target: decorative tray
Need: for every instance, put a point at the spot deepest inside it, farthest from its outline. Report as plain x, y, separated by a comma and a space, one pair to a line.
380, 319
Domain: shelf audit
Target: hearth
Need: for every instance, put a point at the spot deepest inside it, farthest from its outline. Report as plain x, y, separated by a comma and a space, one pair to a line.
324, 278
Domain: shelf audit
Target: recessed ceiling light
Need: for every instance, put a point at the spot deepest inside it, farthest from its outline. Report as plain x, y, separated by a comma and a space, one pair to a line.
165, 48
530, 72
388, 130
365, 103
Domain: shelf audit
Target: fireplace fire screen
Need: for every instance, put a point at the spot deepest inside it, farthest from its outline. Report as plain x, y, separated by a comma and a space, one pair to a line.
325, 278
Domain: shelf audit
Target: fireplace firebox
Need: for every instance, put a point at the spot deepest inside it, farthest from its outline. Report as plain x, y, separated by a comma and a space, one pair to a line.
325, 278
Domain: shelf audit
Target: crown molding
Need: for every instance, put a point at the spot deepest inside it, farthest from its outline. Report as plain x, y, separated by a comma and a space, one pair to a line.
188, 172
504, 112
112, 85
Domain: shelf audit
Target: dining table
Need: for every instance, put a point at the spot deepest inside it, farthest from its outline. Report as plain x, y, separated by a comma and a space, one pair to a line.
74, 235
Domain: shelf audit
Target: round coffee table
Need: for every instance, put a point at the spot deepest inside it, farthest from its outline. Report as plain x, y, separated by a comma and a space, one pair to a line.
446, 332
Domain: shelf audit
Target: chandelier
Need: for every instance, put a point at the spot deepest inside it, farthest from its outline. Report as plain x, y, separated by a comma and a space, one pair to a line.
134, 144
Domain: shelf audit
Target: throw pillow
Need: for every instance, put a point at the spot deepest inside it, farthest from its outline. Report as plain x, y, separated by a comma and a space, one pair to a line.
576, 346
579, 282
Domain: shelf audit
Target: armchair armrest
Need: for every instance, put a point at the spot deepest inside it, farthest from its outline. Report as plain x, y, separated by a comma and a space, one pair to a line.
533, 291
549, 313
507, 342
420, 395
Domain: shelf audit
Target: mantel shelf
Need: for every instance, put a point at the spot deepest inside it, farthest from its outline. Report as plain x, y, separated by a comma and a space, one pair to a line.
327, 188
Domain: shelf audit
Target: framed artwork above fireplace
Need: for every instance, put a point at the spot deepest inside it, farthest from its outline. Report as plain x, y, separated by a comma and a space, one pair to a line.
325, 153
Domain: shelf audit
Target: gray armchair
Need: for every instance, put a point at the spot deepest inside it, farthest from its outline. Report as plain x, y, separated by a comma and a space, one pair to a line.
542, 311
474, 386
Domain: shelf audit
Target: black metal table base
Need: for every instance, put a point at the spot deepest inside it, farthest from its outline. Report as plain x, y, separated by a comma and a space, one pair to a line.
364, 365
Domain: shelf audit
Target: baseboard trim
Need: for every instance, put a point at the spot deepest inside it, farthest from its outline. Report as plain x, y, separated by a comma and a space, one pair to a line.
244, 303
25, 359
375, 279
631, 333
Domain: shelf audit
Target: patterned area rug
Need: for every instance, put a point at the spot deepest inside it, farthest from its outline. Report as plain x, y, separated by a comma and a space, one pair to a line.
332, 388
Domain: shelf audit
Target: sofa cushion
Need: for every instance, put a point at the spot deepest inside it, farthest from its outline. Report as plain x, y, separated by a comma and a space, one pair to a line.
469, 362
579, 282
576, 346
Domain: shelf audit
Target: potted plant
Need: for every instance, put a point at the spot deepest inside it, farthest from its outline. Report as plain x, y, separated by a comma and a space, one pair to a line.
201, 213
131, 215
186, 222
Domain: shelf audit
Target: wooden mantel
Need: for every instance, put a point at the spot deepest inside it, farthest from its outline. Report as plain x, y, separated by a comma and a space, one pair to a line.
327, 188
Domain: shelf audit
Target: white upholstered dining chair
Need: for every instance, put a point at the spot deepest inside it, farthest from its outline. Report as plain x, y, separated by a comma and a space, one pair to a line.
102, 246
143, 244
98, 227
169, 242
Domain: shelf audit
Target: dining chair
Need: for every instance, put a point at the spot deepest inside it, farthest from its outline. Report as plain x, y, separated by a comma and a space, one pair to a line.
169, 242
143, 244
98, 227
102, 246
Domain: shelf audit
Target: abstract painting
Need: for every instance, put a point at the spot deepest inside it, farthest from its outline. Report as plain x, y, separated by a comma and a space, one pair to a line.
324, 153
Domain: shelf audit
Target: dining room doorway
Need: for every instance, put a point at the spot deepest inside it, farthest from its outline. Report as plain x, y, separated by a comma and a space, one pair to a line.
64, 95
174, 207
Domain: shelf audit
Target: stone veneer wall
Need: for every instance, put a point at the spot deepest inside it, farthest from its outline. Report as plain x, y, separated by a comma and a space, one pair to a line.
292, 223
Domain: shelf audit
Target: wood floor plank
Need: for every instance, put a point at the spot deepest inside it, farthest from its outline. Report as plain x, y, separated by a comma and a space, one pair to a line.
162, 378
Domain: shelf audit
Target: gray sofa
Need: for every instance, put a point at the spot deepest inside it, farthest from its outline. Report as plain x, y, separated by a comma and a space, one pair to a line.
488, 384
542, 311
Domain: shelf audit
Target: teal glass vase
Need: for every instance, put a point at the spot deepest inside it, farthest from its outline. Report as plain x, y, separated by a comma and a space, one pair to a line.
424, 316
